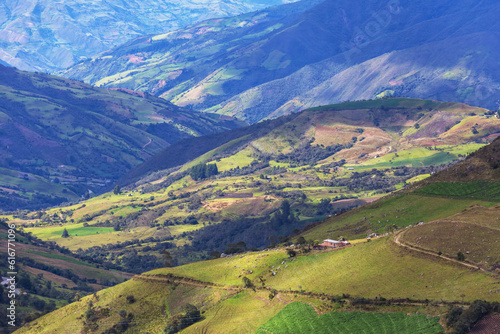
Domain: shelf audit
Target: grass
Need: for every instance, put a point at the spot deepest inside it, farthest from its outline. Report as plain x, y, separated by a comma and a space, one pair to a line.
243, 313
149, 319
477, 190
300, 318
379, 267
228, 270
369, 269
399, 210
416, 158
60, 257
241, 159
74, 230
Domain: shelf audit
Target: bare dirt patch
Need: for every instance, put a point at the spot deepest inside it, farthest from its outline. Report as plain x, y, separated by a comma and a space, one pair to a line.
252, 206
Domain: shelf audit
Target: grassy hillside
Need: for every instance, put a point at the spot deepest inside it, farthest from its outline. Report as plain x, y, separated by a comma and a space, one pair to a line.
375, 269
61, 137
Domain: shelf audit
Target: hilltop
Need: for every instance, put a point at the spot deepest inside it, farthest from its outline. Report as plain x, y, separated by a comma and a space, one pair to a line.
61, 138
296, 56
376, 284
48, 36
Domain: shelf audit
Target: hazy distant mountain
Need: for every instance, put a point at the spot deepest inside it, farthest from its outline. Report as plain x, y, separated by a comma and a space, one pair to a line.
47, 35
285, 59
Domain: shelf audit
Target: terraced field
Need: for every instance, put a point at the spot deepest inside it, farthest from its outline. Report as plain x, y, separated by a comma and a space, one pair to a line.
477, 190
300, 318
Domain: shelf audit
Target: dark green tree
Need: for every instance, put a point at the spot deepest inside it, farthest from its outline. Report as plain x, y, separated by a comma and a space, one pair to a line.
168, 260
65, 233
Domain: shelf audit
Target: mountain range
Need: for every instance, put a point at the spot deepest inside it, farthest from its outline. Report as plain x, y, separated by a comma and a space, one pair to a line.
46, 36
291, 57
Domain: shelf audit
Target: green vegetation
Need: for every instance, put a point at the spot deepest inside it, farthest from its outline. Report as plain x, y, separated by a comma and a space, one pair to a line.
203, 171
302, 318
180, 220
477, 190
399, 210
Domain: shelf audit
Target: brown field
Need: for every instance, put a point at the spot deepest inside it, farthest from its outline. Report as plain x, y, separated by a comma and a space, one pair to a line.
50, 276
480, 244
252, 206
478, 215
488, 325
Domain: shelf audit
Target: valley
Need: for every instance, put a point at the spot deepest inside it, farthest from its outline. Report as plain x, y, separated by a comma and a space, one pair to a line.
273, 181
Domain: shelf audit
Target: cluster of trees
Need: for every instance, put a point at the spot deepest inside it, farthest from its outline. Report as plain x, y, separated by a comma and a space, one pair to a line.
179, 321
284, 216
203, 171
120, 257
310, 155
247, 233
15, 201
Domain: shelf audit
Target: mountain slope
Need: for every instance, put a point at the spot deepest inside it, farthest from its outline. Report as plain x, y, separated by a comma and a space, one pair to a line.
273, 64
54, 129
458, 208
47, 36
416, 72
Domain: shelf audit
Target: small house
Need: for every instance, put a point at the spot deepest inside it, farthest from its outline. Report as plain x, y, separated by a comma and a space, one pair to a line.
329, 243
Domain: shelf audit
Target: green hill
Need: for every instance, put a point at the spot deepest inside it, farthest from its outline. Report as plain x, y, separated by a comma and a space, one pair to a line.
59, 137
378, 276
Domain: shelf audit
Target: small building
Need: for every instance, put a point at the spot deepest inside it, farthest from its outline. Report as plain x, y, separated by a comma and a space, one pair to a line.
329, 243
